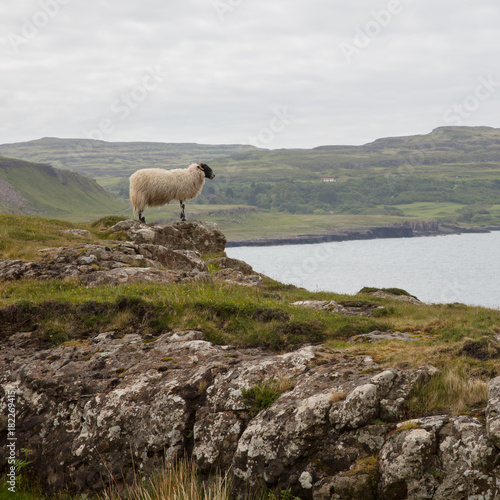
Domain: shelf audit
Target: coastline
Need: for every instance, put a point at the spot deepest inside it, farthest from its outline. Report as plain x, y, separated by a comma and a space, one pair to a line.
407, 230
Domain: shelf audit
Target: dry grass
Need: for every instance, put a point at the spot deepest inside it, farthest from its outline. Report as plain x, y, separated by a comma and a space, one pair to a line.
456, 389
284, 383
180, 482
461, 385
365, 465
23, 237
122, 319
335, 397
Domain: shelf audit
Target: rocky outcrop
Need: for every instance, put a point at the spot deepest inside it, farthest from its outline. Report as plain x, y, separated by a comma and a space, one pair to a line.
493, 411
360, 308
103, 264
166, 253
377, 336
334, 423
92, 409
439, 458
202, 237
403, 298
229, 263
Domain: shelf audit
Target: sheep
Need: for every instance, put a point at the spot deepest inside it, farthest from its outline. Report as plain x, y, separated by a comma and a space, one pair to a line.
155, 187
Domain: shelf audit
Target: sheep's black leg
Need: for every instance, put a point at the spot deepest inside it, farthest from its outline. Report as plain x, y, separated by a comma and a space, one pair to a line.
141, 216
183, 215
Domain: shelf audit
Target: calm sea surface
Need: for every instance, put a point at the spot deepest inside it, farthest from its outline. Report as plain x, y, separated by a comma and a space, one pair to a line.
441, 269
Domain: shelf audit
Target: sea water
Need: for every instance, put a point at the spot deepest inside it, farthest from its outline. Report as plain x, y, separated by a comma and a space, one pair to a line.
461, 268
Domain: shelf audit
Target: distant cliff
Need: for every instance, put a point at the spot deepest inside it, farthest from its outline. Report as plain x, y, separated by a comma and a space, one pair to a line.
405, 230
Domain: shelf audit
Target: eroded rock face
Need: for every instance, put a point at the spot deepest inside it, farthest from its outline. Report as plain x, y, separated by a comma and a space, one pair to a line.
362, 309
162, 254
202, 237
493, 411
230, 263
89, 409
106, 264
439, 458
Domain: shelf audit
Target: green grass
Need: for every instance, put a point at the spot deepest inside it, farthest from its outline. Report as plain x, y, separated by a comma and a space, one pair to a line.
458, 388
30, 494
457, 339
429, 211
436, 175
262, 224
56, 193
262, 396
21, 237
228, 314
61, 311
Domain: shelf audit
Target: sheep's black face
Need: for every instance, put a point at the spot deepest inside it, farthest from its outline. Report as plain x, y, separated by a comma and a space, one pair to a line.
208, 171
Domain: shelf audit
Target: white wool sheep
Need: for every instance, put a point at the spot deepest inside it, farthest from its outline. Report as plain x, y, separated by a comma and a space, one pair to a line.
154, 187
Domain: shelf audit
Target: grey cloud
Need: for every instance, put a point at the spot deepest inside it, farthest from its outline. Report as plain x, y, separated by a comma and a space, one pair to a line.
221, 75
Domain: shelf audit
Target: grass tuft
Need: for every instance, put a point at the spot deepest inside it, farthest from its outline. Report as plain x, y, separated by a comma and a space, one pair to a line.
262, 396
179, 482
456, 389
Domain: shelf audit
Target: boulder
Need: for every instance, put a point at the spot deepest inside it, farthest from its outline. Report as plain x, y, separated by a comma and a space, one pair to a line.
203, 237
114, 263
403, 298
357, 308
230, 263
377, 335
125, 275
172, 247
493, 412
100, 407
238, 278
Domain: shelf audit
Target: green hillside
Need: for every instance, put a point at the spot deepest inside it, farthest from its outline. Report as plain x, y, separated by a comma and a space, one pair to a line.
111, 163
38, 189
451, 174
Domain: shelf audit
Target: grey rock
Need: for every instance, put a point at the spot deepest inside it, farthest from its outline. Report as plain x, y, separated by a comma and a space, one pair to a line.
235, 264
332, 306
203, 237
404, 462
402, 298
493, 411
469, 461
377, 335
118, 263
89, 409
237, 277
178, 260
121, 276
83, 233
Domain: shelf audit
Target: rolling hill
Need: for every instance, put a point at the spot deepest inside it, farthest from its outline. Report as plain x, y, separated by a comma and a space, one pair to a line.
38, 189
462, 151
451, 174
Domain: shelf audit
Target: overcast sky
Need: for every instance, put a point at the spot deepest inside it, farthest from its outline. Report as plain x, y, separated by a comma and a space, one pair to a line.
272, 73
